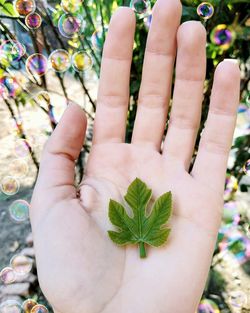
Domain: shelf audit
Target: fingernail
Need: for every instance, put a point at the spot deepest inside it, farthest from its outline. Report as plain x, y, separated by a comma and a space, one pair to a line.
235, 61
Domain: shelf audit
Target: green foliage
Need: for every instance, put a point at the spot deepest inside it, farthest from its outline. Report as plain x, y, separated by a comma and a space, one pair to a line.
140, 228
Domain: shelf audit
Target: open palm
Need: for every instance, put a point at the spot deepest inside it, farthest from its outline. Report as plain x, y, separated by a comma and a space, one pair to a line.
79, 268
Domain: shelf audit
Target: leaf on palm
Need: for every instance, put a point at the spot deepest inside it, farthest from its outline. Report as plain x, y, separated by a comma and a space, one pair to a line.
141, 228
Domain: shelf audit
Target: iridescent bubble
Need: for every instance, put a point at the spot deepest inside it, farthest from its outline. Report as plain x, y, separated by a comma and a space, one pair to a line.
246, 167
7, 275
37, 64
11, 85
43, 97
39, 308
21, 148
71, 6
10, 306
223, 36
82, 61
230, 213
25, 7
205, 10
33, 20
19, 210
10, 185
21, 264
208, 306
237, 298
147, 21
140, 6
3, 92
60, 60
12, 48
97, 40
18, 168
70, 25
231, 186
28, 305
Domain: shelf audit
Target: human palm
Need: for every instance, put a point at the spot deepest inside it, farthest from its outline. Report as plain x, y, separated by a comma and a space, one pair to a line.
79, 268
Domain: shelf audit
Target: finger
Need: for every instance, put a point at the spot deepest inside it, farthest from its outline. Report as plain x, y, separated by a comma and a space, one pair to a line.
56, 175
157, 74
113, 95
188, 93
211, 161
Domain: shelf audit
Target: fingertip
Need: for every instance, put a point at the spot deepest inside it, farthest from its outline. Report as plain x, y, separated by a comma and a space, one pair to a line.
191, 32
227, 68
123, 16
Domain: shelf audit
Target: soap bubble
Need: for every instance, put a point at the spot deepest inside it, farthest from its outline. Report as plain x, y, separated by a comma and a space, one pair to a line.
81, 61
246, 167
70, 25
230, 213
18, 168
33, 20
10, 185
223, 36
231, 186
7, 275
19, 210
97, 39
12, 48
28, 305
10, 306
11, 85
21, 264
208, 306
71, 6
140, 6
39, 308
21, 148
24, 7
205, 10
237, 298
36, 65
60, 60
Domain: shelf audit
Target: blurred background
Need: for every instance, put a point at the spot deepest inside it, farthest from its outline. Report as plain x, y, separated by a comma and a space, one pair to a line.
50, 54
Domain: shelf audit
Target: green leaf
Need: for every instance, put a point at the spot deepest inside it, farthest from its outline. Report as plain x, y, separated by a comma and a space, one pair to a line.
8, 9
141, 228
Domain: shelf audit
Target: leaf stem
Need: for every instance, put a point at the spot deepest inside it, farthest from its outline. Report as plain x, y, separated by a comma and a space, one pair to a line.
142, 250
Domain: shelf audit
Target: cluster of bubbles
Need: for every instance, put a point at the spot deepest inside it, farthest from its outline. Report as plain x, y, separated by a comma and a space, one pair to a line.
28, 306
27, 8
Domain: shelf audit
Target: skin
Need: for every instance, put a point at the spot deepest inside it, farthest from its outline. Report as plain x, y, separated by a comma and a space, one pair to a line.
79, 268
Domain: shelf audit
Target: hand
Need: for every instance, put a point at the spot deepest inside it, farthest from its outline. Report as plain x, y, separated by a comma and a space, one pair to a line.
79, 268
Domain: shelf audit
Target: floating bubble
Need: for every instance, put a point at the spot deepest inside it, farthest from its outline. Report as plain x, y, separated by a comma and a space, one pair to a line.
208, 306
148, 20
246, 168
28, 305
21, 148
237, 298
60, 60
12, 48
37, 64
21, 264
10, 306
19, 210
223, 36
25, 7
205, 10
7, 275
140, 6
70, 25
71, 6
97, 39
33, 20
10, 185
3, 92
82, 61
43, 96
18, 168
230, 213
39, 308
11, 85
